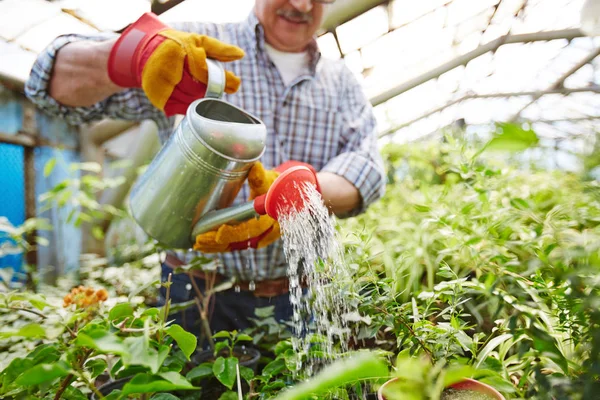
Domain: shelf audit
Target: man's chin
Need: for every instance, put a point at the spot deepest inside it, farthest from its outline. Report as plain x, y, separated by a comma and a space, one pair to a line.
289, 42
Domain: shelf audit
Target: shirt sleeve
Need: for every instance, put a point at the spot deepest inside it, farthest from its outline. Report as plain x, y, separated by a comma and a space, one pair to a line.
130, 104
359, 160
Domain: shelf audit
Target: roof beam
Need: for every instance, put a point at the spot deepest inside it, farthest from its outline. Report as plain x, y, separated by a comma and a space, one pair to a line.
344, 10
568, 34
563, 91
561, 80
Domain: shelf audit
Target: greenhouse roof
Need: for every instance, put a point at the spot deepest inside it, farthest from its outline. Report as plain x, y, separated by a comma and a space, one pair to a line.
424, 64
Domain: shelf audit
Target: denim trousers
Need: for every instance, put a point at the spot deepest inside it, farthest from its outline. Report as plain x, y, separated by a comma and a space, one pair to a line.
229, 310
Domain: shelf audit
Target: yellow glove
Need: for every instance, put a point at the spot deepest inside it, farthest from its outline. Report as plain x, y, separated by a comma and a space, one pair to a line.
255, 233
169, 65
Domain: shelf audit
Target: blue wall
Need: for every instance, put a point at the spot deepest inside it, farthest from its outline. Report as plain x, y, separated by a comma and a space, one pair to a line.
62, 254
12, 195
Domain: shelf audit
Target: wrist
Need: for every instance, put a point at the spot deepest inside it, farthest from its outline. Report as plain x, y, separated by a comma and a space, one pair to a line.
100, 52
79, 75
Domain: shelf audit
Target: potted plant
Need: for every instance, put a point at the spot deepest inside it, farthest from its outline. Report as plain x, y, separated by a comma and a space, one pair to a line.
419, 379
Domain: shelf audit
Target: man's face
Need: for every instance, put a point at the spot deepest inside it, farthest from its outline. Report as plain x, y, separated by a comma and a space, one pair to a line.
289, 24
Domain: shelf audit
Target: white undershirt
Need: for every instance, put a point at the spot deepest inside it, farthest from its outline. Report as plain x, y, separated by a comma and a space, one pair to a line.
289, 65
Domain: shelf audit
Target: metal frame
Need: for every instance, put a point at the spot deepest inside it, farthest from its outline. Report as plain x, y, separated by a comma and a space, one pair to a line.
568, 34
536, 94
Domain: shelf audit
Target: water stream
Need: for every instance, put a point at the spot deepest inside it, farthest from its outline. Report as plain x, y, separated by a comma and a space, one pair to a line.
315, 259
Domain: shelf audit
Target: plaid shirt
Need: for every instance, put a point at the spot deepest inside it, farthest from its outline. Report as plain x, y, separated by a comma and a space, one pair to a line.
322, 118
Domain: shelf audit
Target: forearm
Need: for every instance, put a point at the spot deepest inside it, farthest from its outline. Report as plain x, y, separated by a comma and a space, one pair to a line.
338, 193
80, 77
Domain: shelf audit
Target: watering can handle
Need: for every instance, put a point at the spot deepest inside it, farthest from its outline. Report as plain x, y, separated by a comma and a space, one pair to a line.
215, 85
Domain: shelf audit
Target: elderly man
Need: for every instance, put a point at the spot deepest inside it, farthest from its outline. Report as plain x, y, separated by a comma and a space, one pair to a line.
314, 109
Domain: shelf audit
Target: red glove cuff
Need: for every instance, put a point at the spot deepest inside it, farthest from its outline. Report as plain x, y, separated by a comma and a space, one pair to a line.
125, 55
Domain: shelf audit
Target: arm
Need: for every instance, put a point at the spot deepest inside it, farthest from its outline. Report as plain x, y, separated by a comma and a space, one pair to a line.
79, 68
80, 77
339, 194
355, 178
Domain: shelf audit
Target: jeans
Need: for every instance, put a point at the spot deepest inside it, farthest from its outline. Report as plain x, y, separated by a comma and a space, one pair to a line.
229, 310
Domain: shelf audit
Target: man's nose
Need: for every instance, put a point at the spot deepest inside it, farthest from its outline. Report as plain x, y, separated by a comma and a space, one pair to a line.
302, 5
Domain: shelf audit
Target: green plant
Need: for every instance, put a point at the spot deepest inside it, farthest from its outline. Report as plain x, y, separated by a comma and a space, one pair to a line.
475, 259
75, 345
229, 342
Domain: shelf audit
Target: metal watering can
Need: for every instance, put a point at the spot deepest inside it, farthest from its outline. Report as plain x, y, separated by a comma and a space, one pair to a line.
189, 185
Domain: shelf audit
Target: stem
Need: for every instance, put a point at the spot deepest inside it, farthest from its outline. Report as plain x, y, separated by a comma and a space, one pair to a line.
65, 383
205, 325
39, 314
168, 299
167, 302
412, 332
63, 386
96, 391
202, 310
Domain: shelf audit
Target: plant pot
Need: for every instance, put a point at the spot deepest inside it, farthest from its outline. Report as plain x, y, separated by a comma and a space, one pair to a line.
465, 384
247, 356
108, 388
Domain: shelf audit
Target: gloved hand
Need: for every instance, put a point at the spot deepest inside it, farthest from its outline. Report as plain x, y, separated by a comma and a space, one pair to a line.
254, 233
169, 65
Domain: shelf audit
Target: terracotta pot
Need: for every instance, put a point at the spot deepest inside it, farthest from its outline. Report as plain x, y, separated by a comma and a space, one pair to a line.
465, 384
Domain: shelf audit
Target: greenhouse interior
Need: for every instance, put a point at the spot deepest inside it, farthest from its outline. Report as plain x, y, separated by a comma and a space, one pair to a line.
296, 199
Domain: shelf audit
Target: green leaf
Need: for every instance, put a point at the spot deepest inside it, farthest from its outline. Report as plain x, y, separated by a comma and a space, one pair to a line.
49, 167
33, 331
222, 334
96, 366
102, 341
86, 166
164, 396
282, 347
457, 374
142, 288
264, 312
221, 345
36, 300
492, 344
152, 312
16, 368
520, 204
42, 373
203, 370
274, 367
97, 232
120, 311
146, 383
362, 365
242, 337
186, 341
225, 371
140, 353
229, 395
246, 373
73, 393
45, 353
512, 138
421, 208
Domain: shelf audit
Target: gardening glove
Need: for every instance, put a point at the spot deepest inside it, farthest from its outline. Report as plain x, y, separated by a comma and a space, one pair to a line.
169, 65
254, 233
